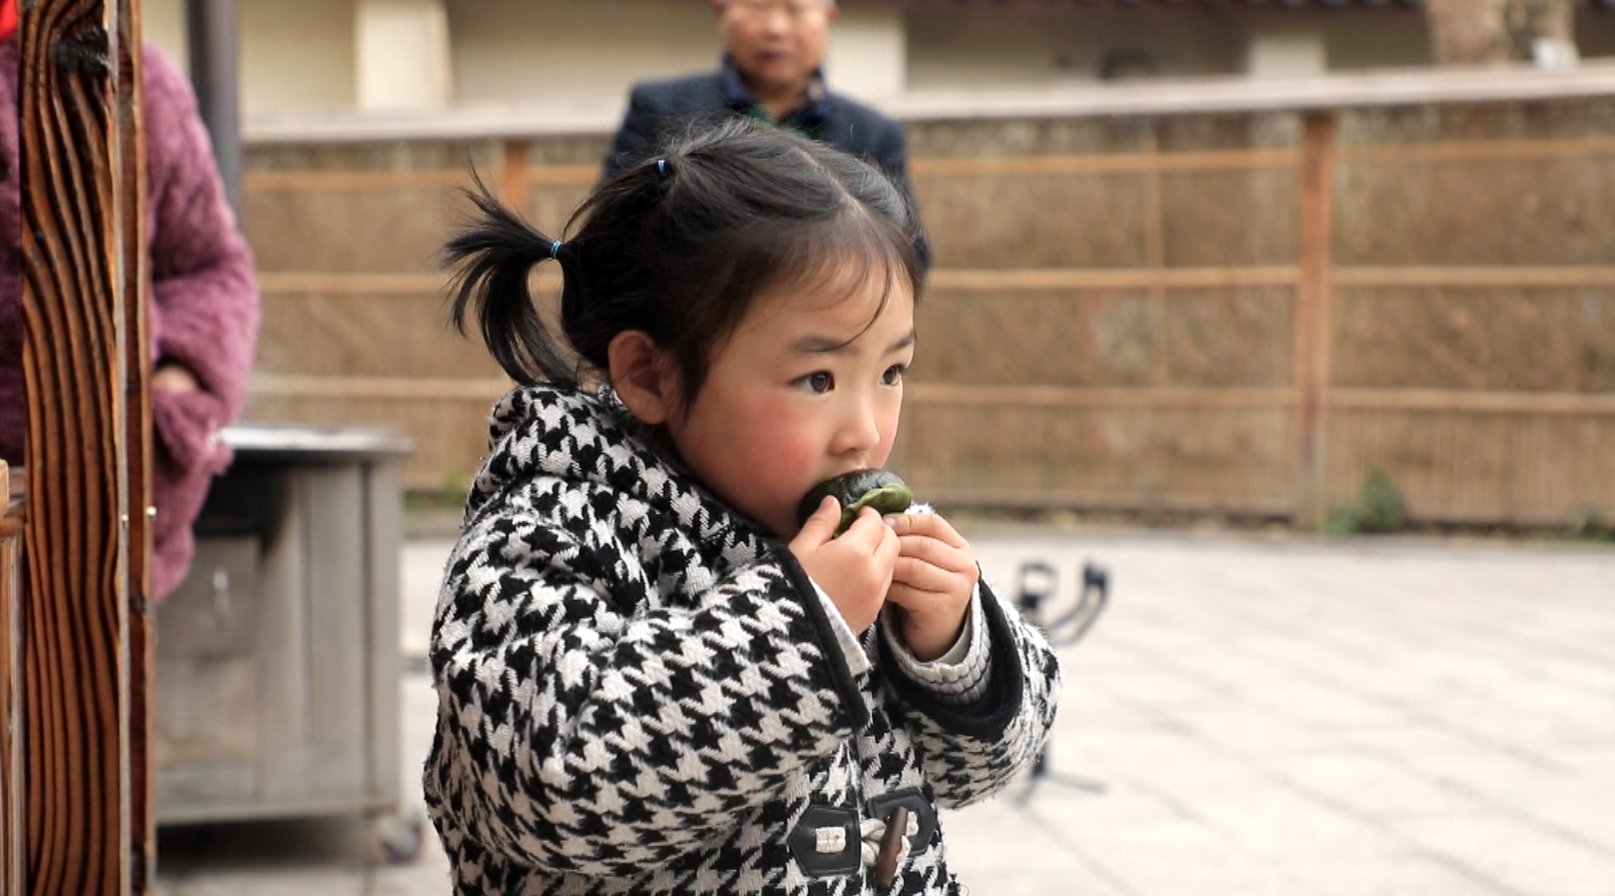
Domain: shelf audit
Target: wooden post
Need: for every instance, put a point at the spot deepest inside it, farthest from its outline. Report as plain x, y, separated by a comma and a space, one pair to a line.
1155, 263
512, 184
1155, 255
87, 483
142, 784
1314, 311
12, 816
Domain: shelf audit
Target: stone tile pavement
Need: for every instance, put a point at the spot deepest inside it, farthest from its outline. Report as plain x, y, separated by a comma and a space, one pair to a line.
1252, 715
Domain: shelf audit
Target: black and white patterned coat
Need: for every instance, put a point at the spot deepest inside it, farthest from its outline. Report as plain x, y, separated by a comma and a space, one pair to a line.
639, 691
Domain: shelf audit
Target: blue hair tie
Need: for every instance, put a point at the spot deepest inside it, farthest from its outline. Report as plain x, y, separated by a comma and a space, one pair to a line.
555, 249
661, 167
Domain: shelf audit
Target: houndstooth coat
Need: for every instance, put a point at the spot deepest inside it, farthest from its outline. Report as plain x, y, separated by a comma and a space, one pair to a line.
639, 691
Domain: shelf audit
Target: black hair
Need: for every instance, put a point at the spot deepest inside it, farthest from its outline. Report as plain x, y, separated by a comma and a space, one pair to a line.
678, 247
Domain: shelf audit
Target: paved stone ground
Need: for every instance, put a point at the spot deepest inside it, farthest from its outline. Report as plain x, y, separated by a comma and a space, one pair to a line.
1250, 716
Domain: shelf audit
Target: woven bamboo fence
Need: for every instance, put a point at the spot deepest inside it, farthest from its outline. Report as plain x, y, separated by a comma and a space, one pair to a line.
1224, 299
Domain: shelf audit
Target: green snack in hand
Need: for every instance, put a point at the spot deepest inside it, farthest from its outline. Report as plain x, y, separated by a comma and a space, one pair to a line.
886, 492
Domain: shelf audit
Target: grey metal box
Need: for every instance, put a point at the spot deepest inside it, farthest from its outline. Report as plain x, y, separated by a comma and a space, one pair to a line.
278, 658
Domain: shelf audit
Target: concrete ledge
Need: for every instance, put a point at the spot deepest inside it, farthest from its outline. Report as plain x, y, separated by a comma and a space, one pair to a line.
599, 115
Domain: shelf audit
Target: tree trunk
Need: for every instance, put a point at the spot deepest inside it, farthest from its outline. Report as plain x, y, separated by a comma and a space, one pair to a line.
1492, 32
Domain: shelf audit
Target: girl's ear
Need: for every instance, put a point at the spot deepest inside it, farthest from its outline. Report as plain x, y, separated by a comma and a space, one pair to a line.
643, 376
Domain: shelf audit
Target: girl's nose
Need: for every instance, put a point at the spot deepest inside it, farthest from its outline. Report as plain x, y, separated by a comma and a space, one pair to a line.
859, 428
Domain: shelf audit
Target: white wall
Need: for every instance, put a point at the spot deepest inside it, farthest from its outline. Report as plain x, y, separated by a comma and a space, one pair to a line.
308, 55
551, 52
162, 22
1286, 53
296, 55
566, 52
401, 58
868, 54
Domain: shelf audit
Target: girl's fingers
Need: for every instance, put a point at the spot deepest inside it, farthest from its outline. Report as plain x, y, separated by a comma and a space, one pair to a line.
821, 526
937, 553
929, 525
866, 522
906, 597
869, 531
927, 578
869, 536
929, 629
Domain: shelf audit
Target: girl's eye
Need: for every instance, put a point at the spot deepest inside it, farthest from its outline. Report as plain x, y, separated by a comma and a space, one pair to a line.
893, 375
817, 382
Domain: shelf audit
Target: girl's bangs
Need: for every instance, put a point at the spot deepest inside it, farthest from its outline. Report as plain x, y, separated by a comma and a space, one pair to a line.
830, 261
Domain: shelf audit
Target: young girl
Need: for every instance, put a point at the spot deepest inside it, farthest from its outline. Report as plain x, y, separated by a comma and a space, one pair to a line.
652, 678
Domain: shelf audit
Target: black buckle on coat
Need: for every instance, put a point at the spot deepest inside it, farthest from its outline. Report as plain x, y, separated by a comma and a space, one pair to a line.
804, 841
804, 838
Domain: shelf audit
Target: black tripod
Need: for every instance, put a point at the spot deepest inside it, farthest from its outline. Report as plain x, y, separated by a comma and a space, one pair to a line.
1037, 589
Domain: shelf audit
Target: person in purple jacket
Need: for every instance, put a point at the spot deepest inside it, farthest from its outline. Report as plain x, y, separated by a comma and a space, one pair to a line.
204, 303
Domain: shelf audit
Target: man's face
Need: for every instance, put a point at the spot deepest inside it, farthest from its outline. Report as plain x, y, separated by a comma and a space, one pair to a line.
776, 44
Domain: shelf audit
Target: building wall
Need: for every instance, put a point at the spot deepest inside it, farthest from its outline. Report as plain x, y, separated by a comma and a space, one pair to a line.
1595, 34
163, 23
402, 55
296, 55
988, 45
539, 52
869, 52
528, 52
309, 55
1371, 40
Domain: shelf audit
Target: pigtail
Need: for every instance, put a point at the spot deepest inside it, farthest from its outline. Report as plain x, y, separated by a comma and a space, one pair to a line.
493, 256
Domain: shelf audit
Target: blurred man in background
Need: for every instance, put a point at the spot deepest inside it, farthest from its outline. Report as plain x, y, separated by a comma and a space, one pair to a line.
772, 71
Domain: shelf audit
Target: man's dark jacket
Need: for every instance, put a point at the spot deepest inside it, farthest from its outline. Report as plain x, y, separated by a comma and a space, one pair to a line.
663, 111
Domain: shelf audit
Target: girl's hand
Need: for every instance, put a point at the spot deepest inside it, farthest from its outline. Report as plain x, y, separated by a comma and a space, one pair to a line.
854, 569
933, 580
171, 377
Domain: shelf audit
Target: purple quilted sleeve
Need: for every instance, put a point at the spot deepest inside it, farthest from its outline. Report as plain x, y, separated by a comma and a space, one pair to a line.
204, 309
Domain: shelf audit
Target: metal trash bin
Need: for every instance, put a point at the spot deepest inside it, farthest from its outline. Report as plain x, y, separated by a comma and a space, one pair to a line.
278, 659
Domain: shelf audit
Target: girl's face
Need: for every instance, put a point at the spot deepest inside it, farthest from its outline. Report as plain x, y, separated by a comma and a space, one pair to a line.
805, 389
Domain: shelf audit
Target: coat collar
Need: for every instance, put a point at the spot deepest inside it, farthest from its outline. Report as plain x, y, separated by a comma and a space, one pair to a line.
588, 438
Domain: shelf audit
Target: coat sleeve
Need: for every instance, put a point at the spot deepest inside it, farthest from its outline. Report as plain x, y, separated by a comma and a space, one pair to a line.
579, 731
972, 751
204, 307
